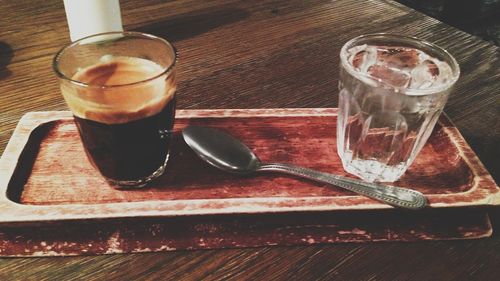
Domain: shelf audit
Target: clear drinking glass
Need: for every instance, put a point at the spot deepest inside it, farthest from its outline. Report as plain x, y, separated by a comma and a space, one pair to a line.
121, 88
392, 91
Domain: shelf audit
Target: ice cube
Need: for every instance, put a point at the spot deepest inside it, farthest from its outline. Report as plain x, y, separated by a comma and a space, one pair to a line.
393, 76
362, 57
424, 75
397, 57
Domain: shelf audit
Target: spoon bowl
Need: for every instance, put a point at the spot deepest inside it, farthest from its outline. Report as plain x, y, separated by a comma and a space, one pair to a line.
221, 150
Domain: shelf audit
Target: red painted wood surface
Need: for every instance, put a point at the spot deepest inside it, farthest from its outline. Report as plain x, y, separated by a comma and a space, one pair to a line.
61, 173
55, 171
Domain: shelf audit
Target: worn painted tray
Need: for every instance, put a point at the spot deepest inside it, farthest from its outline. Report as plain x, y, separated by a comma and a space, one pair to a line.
70, 238
46, 182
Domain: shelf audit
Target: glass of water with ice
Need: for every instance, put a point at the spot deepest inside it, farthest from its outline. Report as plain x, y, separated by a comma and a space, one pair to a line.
392, 91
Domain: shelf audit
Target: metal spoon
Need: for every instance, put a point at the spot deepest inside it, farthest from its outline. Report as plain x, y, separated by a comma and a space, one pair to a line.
229, 154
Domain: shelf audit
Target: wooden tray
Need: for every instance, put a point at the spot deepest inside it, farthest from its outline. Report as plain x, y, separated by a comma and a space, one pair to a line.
48, 185
46, 176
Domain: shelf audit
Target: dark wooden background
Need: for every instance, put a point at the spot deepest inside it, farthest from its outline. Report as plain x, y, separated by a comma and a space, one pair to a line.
478, 17
260, 54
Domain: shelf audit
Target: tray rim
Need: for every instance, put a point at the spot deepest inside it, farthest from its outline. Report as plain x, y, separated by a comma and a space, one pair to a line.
13, 212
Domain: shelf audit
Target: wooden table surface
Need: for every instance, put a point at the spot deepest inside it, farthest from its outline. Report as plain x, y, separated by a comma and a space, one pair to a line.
260, 54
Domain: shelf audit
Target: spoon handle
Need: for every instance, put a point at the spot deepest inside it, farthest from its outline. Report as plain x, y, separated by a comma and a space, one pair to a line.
395, 196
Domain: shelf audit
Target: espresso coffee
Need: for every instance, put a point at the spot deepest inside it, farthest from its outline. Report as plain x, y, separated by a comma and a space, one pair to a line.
125, 115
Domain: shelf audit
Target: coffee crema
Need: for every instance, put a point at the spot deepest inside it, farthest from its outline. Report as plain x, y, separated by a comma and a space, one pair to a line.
104, 97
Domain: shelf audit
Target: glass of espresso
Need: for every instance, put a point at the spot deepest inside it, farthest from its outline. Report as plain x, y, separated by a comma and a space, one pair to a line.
121, 88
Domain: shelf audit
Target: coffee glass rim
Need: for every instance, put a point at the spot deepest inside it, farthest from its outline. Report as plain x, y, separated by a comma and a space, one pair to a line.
166, 71
408, 40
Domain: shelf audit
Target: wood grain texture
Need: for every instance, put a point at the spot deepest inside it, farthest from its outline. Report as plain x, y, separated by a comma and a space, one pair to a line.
247, 54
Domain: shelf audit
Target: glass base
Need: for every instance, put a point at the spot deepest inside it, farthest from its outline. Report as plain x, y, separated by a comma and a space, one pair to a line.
134, 184
372, 170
